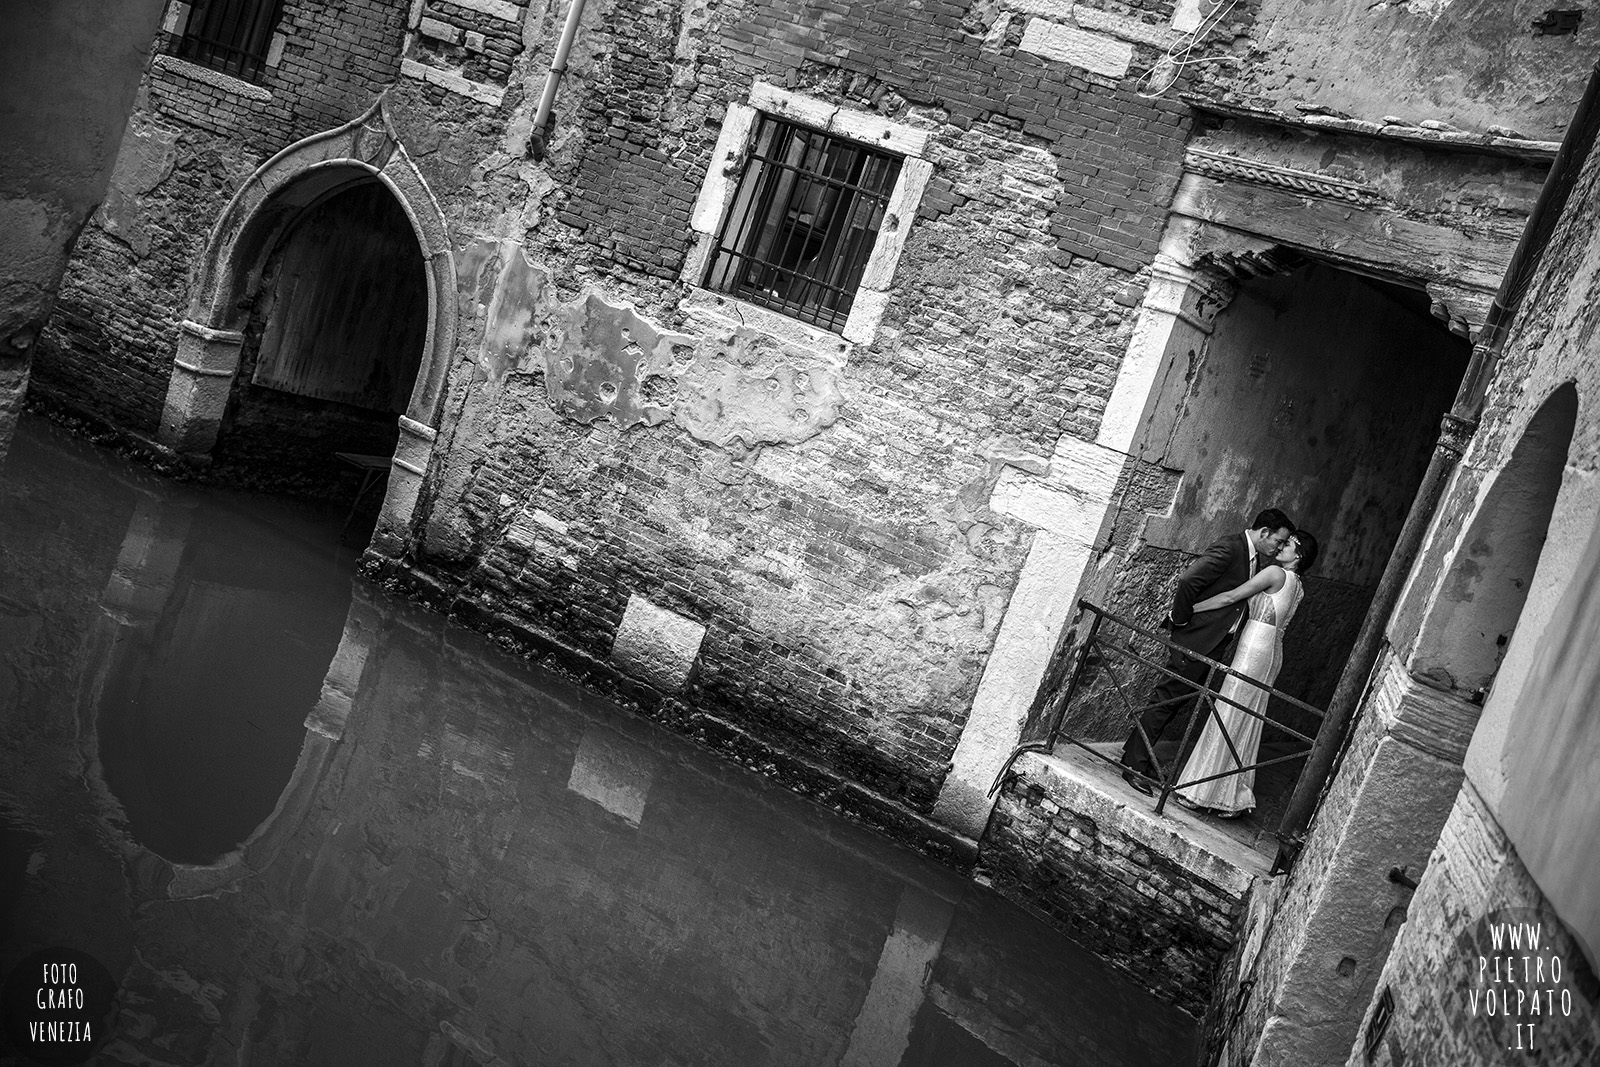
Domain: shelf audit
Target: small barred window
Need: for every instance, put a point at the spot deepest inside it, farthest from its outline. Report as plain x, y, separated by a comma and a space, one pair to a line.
802, 223
231, 36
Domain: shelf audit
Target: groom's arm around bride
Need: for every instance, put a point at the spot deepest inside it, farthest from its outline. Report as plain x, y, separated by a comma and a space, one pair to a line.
1223, 566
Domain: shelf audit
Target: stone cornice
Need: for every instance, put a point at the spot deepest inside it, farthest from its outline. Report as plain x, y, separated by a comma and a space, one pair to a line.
1414, 136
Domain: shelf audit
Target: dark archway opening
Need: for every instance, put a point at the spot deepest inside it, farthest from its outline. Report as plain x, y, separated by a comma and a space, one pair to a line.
336, 331
1480, 601
1320, 392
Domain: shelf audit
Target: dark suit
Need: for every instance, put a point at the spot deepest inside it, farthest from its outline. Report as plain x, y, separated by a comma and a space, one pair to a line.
1223, 566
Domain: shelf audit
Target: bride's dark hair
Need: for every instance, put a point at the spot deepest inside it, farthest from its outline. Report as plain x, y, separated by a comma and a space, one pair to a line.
1308, 550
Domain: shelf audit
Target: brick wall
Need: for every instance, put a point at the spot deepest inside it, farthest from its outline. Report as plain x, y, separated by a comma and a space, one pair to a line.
194, 138
1117, 155
850, 582
1474, 879
1147, 900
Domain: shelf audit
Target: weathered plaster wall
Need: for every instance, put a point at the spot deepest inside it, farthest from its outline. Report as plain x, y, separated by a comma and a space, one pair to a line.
68, 73
1473, 64
820, 507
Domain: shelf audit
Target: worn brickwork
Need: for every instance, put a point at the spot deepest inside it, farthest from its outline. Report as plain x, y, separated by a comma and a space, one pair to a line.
479, 44
1475, 880
1162, 921
1116, 155
1281, 942
851, 582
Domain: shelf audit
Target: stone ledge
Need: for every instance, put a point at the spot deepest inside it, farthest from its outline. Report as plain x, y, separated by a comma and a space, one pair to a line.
214, 78
1159, 897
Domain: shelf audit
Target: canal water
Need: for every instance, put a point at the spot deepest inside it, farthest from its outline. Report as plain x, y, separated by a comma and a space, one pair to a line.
302, 824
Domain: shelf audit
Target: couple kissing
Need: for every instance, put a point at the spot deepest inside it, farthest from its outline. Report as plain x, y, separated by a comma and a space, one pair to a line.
1246, 585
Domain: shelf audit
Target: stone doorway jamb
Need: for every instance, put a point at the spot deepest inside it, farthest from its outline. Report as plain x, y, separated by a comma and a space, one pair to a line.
1069, 507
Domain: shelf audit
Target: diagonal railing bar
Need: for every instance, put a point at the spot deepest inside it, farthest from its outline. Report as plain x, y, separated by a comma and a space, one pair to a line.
1133, 655
1103, 660
1085, 605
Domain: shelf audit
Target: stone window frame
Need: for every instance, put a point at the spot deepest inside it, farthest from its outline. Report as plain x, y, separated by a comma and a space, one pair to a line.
734, 143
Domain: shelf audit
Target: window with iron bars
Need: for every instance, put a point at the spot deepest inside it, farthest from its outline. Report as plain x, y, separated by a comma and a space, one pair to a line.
230, 35
802, 223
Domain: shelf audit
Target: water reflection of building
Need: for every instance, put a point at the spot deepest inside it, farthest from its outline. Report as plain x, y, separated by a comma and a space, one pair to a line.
1103, 326
527, 870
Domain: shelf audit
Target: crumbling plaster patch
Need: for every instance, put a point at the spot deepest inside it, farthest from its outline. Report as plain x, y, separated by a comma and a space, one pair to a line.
732, 388
148, 154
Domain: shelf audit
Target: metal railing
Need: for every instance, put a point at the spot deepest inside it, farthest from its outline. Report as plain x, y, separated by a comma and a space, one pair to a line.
1107, 668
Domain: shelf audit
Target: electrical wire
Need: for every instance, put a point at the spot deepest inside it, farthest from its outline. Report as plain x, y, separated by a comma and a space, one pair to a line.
1181, 55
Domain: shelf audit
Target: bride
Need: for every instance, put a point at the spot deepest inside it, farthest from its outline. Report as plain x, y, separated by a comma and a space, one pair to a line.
1274, 594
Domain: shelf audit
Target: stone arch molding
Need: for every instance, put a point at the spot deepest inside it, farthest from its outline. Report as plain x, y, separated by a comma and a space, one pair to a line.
1477, 602
210, 336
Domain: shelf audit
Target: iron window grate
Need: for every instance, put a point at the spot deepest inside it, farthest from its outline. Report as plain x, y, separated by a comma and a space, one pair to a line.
231, 36
802, 223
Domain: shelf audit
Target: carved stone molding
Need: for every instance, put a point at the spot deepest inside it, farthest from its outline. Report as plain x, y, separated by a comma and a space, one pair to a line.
1232, 168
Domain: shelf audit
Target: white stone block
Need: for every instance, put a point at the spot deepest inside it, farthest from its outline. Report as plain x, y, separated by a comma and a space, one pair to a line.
176, 19
500, 9
879, 132
439, 31
732, 143
488, 94
655, 645
1084, 17
784, 104
1186, 16
865, 314
897, 217
1094, 52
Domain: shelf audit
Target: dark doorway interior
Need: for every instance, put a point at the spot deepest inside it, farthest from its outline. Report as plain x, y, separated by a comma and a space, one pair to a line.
1320, 392
334, 340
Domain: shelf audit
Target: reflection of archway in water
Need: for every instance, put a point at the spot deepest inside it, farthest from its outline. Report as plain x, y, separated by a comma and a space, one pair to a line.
216, 636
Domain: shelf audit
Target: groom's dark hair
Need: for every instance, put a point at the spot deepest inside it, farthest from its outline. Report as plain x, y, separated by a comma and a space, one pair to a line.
1272, 519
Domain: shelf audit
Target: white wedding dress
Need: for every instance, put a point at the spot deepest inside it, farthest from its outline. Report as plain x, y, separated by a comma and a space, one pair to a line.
1259, 654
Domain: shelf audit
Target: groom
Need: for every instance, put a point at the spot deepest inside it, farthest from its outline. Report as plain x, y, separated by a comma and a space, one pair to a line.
1228, 563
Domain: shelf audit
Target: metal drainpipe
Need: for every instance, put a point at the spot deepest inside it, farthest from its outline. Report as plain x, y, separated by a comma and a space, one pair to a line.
1459, 425
537, 144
